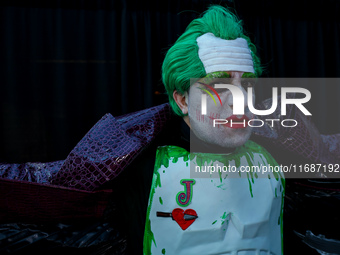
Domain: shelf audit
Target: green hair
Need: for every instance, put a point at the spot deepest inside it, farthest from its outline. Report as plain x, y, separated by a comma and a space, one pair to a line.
182, 61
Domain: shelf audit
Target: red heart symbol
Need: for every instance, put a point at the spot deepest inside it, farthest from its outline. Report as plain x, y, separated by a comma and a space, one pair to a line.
178, 216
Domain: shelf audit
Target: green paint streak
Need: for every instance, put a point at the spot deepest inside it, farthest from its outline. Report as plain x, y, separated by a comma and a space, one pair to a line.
250, 175
163, 155
160, 200
158, 179
281, 214
214, 75
174, 160
208, 158
161, 158
148, 234
238, 162
275, 192
220, 186
250, 187
220, 175
223, 217
214, 222
248, 75
163, 251
283, 183
245, 152
148, 238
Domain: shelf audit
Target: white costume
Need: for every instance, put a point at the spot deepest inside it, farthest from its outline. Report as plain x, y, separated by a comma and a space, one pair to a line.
236, 214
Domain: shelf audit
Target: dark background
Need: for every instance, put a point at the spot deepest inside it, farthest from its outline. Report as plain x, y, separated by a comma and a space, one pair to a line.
64, 64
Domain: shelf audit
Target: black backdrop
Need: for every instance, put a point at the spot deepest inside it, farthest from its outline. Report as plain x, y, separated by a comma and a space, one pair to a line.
64, 64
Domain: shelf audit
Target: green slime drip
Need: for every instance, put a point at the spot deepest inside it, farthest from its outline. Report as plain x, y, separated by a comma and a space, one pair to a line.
162, 159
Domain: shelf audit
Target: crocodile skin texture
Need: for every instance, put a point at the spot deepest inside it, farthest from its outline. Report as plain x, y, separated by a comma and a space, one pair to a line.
109, 147
31, 172
303, 140
64, 190
332, 142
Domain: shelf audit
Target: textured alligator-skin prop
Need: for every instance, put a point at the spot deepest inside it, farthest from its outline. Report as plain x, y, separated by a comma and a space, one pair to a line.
113, 143
304, 140
65, 189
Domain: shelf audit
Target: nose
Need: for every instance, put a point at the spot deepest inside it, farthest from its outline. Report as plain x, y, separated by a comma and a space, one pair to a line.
236, 80
235, 74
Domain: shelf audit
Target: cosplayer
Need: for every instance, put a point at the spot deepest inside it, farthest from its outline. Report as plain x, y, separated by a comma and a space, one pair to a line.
228, 214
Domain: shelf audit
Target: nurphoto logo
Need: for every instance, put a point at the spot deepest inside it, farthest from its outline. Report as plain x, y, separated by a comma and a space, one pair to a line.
238, 104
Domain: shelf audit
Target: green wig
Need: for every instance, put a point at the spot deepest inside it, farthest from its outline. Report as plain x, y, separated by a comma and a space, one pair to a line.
182, 61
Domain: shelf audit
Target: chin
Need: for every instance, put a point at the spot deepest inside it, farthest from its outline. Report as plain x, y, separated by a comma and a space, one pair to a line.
235, 141
223, 137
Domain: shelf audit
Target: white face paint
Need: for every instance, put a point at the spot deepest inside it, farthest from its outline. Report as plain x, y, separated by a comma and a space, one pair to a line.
223, 135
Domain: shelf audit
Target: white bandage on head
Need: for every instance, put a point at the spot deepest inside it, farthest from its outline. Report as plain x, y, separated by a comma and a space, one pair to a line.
218, 54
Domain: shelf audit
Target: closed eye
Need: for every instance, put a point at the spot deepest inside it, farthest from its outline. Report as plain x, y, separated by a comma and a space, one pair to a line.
221, 90
246, 83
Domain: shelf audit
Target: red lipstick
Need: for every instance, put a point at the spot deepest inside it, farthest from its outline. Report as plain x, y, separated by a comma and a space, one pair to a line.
235, 122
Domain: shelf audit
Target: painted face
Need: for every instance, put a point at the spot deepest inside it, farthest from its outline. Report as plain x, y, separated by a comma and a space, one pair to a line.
224, 135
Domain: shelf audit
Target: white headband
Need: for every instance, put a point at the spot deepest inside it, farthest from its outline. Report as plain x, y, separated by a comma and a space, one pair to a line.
218, 54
